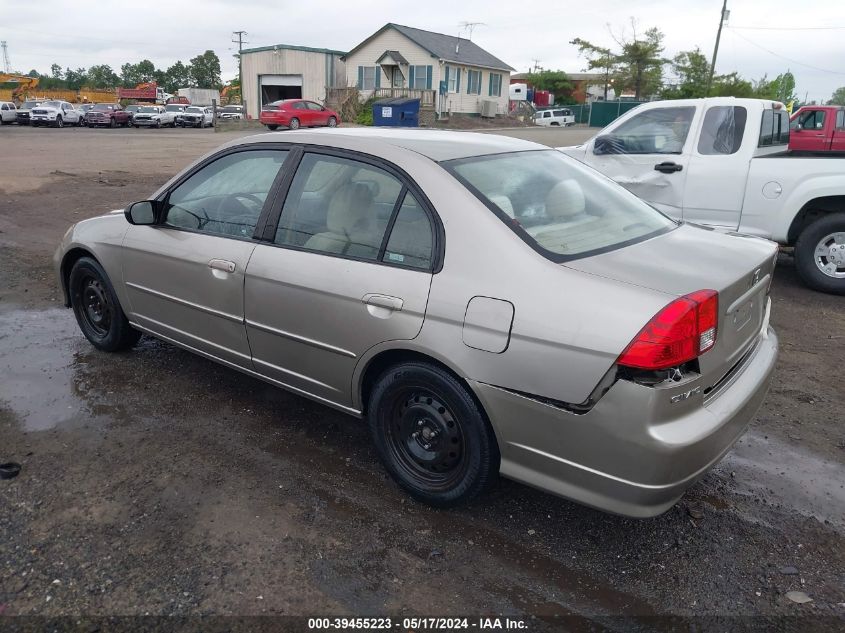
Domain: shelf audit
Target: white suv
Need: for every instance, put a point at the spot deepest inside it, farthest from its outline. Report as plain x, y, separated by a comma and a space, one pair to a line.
557, 116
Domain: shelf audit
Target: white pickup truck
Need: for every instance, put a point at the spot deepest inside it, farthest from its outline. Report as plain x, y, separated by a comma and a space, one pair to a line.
724, 162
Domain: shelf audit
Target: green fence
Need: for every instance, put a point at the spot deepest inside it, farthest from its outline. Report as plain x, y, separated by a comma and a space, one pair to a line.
603, 112
581, 112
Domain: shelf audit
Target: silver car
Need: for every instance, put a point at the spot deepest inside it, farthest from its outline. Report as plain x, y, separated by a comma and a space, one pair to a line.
488, 305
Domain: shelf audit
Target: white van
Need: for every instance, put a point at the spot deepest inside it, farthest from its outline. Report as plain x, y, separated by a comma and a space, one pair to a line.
557, 116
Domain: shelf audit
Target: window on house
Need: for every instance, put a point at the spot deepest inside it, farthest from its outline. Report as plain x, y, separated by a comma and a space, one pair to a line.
420, 77
453, 78
369, 78
473, 82
495, 85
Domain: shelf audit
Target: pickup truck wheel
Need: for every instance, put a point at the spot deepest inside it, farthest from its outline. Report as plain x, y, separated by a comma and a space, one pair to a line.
112, 123
820, 254
158, 124
97, 309
59, 122
431, 435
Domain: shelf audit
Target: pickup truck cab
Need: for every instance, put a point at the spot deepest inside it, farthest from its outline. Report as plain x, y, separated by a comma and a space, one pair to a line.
108, 115
153, 116
55, 114
723, 162
818, 129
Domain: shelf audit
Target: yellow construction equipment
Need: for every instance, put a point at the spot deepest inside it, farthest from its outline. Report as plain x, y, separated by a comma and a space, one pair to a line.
25, 85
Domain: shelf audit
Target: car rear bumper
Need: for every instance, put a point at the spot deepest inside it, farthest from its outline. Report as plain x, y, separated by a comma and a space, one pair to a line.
635, 452
274, 119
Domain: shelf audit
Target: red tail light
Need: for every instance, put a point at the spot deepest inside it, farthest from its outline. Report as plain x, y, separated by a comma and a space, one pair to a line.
680, 332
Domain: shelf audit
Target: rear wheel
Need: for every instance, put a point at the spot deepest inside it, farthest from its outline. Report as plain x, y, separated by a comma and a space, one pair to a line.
96, 308
820, 254
431, 435
332, 121
272, 128
294, 124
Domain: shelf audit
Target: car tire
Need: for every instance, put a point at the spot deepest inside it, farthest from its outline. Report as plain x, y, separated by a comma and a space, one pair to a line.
431, 435
294, 124
112, 123
826, 232
158, 124
272, 128
97, 309
60, 122
332, 122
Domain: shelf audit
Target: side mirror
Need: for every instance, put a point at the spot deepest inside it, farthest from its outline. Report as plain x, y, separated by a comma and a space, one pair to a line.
143, 213
607, 144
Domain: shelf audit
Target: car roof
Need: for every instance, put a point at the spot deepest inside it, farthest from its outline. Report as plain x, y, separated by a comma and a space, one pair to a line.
438, 145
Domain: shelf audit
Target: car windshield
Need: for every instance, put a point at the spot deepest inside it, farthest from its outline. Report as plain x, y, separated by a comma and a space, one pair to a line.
194, 110
147, 109
231, 109
134, 108
557, 205
51, 104
29, 104
103, 107
175, 108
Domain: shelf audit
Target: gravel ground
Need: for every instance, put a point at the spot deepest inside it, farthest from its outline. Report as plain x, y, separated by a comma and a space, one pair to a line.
156, 482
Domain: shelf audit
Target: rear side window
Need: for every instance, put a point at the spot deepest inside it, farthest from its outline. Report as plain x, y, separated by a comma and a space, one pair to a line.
654, 131
722, 130
560, 207
774, 128
840, 119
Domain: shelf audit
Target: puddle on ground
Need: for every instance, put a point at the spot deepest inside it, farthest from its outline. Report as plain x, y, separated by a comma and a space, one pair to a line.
782, 474
39, 351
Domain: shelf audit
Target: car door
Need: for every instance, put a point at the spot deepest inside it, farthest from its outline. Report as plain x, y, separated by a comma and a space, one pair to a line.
349, 266
716, 158
317, 113
648, 153
184, 277
808, 132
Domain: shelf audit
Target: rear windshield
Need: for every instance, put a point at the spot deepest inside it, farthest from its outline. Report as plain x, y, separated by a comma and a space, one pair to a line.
774, 128
560, 207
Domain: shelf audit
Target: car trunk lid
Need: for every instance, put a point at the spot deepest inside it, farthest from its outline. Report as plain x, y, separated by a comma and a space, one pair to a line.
692, 258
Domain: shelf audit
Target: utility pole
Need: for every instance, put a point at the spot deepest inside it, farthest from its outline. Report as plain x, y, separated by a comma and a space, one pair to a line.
240, 42
723, 16
7, 66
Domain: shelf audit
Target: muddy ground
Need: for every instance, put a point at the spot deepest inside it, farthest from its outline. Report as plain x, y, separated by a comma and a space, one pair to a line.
156, 482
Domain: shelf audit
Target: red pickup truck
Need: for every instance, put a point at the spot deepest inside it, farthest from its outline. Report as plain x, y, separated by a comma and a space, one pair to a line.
818, 129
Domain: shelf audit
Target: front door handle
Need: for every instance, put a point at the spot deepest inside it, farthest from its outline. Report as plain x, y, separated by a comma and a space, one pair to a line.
222, 264
383, 301
668, 167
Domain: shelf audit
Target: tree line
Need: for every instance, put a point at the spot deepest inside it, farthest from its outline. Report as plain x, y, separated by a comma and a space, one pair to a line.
636, 64
202, 71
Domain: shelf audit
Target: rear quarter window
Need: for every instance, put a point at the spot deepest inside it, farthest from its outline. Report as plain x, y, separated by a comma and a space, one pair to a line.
774, 128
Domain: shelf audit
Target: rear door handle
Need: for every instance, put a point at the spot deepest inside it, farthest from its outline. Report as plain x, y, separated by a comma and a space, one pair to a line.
222, 264
668, 167
383, 301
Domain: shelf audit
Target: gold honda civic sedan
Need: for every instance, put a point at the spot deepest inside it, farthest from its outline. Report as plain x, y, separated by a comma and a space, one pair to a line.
488, 305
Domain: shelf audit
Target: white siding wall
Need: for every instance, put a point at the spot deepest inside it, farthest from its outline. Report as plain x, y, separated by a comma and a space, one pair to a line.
314, 67
390, 40
463, 102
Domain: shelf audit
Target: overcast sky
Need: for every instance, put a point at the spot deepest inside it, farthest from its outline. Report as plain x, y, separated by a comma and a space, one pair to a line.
80, 34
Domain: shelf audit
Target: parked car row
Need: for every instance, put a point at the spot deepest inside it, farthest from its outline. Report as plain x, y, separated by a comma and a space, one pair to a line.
56, 113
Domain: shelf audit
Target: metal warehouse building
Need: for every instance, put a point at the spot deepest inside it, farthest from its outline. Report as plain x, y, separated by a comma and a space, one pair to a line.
278, 72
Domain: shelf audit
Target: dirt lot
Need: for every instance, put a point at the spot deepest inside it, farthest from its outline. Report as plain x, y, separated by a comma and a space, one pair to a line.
156, 482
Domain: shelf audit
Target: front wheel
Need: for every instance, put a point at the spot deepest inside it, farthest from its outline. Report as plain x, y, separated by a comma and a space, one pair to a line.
59, 122
294, 124
332, 121
96, 308
431, 435
112, 123
820, 254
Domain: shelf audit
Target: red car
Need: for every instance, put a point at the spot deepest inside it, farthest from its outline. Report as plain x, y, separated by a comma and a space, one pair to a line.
296, 113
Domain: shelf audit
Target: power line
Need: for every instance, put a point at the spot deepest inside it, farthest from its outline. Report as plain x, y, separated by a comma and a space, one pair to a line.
789, 28
784, 57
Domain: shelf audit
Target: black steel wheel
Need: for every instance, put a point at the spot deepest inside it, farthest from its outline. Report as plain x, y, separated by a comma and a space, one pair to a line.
431, 435
97, 309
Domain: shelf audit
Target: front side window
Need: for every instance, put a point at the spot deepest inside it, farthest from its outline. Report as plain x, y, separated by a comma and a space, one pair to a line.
722, 130
344, 207
369, 78
840, 119
474, 82
556, 204
226, 196
654, 131
495, 85
812, 120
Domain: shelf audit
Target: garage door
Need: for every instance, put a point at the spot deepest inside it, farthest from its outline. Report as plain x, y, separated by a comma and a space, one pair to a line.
275, 87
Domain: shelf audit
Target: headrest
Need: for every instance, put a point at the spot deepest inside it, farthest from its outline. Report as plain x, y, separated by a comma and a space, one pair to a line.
504, 203
565, 200
350, 208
